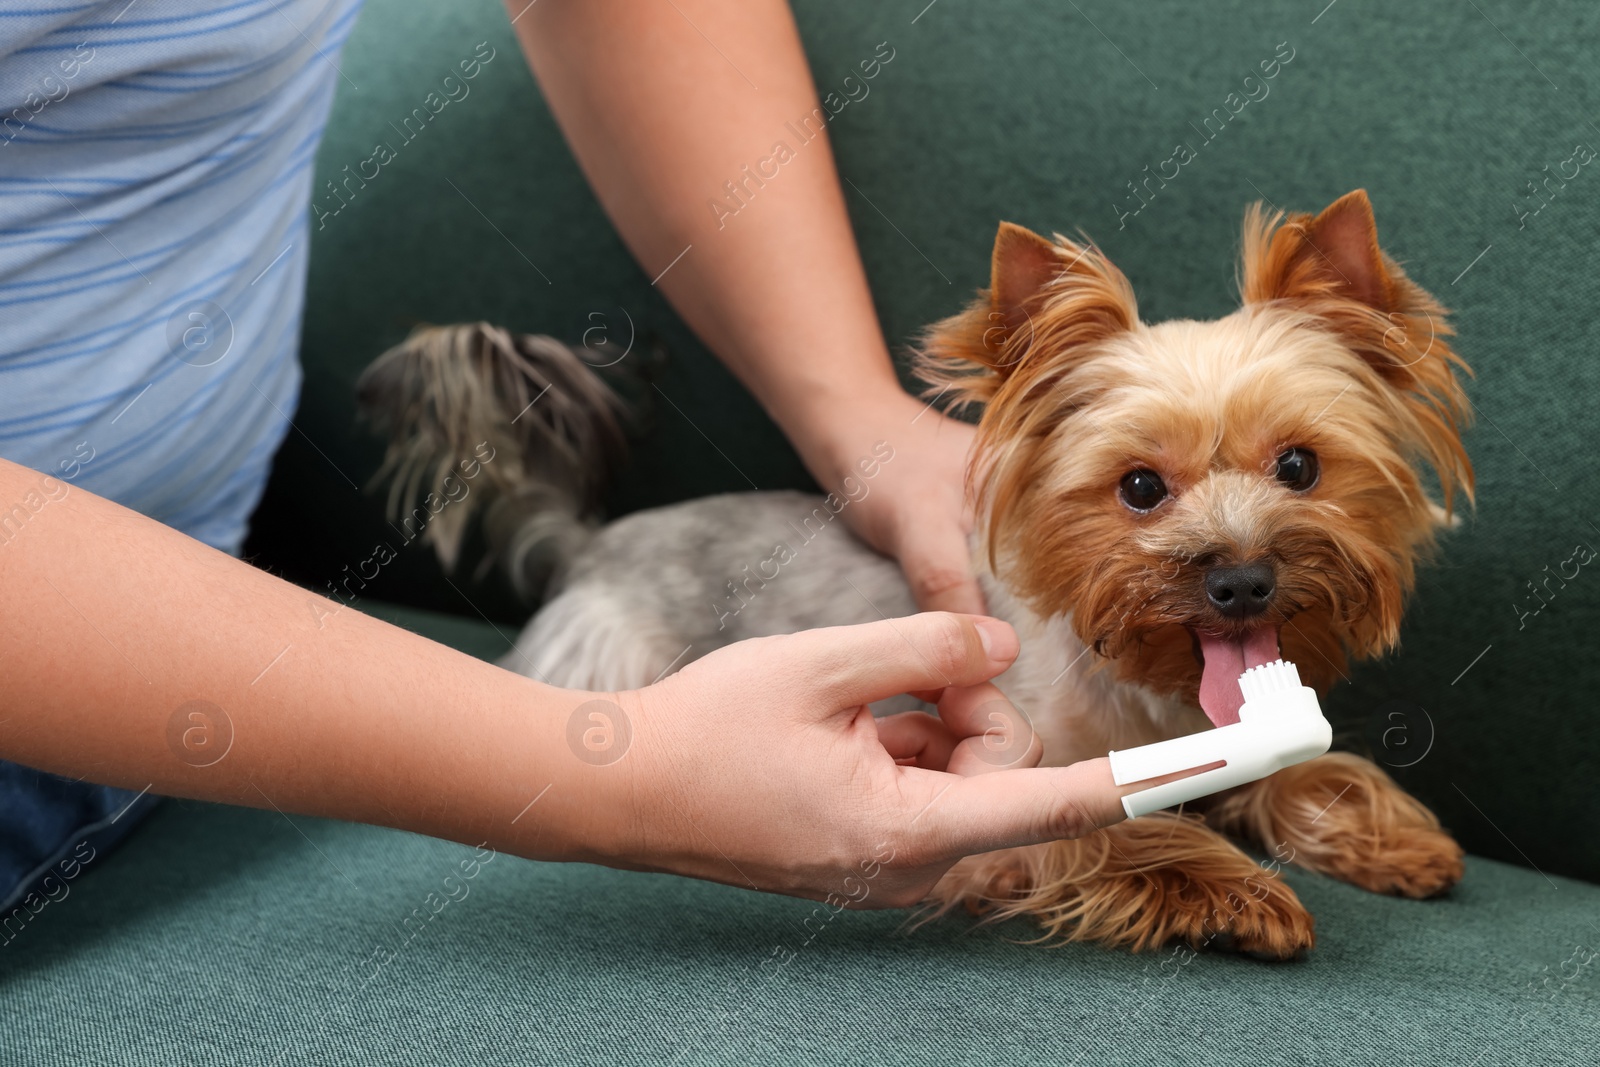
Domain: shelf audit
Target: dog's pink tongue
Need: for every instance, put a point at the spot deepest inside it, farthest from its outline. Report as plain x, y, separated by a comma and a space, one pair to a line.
1225, 659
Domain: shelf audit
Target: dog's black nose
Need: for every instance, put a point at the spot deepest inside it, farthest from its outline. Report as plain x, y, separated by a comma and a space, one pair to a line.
1240, 592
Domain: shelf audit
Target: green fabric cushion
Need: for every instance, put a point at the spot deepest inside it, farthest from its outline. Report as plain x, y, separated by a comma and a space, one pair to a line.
1043, 114
232, 936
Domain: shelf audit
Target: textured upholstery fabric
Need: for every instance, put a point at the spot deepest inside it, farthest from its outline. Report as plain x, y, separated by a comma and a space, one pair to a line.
228, 936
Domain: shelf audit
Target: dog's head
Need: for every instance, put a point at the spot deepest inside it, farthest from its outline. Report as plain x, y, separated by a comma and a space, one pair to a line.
1195, 494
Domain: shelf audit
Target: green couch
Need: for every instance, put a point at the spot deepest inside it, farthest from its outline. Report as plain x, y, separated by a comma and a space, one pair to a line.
220, 935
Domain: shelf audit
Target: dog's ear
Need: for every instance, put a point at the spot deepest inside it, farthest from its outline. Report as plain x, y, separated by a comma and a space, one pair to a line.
1022, 264
1334, 254
1055, 294
1331, 266
1045, 298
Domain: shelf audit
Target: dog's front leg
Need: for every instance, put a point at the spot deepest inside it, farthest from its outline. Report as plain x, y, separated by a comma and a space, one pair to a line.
1343, 816
1141, 884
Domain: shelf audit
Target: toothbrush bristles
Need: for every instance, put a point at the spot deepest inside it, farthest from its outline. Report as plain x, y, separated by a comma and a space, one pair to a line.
1263, 679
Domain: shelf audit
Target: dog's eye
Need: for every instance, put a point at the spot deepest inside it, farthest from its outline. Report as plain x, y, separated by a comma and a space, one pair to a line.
1297, 468
1142, 490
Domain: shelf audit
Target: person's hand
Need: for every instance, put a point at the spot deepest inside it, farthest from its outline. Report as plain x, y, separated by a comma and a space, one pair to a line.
761, 766
916, 508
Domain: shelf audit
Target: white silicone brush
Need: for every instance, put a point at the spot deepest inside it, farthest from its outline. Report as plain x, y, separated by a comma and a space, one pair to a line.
1280, 724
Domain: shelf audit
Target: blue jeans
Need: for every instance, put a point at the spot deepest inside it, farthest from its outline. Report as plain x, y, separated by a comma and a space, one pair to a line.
51, 830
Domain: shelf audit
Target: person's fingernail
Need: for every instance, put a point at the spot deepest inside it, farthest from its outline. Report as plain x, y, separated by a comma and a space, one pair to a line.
999, 639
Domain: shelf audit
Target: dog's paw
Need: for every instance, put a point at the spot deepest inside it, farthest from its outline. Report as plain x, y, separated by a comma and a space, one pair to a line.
1406, 861
1255, 915
1143, 884
1344, 817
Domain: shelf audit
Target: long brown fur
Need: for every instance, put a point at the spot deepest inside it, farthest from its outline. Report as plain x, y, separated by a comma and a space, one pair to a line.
1343, 816
1334, 349
1138, 885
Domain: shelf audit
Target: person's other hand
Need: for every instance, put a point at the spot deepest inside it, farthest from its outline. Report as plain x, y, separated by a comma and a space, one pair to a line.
760, 765
916, 509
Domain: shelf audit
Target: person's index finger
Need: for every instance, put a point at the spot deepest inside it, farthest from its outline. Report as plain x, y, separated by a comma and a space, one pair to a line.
963, 597
855, 665
1006, 809
937, 563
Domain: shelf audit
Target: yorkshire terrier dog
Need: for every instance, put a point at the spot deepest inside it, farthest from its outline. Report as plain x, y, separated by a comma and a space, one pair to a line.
1161, 506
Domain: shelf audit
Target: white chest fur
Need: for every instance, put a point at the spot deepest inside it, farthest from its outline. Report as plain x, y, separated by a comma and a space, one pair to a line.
1078, 708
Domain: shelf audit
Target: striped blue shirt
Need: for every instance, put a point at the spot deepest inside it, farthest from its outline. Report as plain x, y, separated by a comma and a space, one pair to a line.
155, 178
155, 174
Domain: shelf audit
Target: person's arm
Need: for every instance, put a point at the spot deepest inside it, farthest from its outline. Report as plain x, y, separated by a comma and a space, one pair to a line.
663, 103
135, 656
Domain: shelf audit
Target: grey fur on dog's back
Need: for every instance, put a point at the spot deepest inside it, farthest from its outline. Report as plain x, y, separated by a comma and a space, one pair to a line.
652, 590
